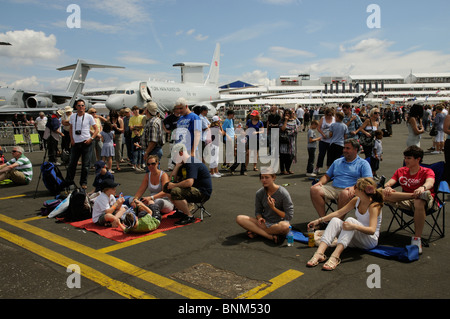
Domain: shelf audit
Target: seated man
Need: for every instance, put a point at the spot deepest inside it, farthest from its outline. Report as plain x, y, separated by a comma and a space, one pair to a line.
19, 169
417, 193
193, 184
344, 171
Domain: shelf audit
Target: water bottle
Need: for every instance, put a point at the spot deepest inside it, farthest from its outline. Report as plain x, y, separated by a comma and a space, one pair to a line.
311, 241
290, 237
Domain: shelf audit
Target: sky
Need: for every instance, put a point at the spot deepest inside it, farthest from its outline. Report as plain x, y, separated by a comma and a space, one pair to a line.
260, 39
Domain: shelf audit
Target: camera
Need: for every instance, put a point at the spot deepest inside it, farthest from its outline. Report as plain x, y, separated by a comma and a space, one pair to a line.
78, 132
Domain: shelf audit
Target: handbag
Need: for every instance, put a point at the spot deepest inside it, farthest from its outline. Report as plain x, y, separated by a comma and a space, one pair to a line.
433, 131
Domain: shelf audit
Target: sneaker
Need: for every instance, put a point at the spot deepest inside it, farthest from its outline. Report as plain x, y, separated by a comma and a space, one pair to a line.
186, 220
177, 214
418, 242
311, 174
435, 152
317, 171
216, 175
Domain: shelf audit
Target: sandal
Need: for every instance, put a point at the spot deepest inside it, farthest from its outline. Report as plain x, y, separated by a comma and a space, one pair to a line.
316, 259
332, 263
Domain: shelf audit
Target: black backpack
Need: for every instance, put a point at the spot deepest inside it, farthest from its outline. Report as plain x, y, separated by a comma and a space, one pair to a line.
52, 178
79, 207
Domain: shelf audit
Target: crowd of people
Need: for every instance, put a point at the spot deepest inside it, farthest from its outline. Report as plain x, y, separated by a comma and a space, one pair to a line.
340, 134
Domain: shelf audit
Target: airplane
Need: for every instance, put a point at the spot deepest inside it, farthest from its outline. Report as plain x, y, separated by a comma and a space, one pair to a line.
193, 88
16, 100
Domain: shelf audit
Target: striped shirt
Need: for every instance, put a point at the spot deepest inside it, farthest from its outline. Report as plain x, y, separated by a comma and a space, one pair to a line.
25, 166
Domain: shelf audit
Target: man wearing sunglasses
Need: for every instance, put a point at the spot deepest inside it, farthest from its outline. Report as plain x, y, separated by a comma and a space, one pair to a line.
19, 169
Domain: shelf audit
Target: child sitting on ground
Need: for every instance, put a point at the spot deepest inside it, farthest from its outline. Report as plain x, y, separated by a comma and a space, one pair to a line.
107, 210
101, 173
142, 220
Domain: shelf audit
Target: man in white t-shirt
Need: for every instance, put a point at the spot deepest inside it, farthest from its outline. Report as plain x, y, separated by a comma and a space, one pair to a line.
40, 124
81, 141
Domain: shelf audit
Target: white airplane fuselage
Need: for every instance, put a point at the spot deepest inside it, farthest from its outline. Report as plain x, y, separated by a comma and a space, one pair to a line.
164, 94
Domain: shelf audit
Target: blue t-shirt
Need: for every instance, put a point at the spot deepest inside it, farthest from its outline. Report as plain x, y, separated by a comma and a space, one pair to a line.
186, 126
256, 126
200, 173
345, 174
339, 130
228, 124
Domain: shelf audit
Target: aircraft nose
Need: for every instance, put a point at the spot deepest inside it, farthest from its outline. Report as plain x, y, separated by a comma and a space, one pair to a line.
114, 103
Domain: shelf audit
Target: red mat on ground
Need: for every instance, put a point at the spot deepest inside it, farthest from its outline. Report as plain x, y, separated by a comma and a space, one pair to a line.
118, 235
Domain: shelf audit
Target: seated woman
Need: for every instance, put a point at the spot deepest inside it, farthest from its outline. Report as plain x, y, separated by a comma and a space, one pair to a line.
273, 211
154, 181
361, 232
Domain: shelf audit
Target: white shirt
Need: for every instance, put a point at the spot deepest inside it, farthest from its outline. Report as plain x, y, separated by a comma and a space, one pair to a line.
78, 123
102, 203
40, 123
300, 113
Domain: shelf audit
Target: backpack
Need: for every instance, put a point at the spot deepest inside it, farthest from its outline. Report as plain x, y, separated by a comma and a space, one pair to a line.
79, 206
49, 206
52, 178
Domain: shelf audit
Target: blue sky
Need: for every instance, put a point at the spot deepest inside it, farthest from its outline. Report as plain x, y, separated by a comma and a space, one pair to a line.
260, 39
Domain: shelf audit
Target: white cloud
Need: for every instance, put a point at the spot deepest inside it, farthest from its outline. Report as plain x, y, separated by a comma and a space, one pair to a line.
135, 58
258, 77
368, 56
28, 45
284, 52
253, 32
30, 83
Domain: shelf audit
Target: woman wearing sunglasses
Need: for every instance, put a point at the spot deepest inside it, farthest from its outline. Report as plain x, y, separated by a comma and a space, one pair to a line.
154, 181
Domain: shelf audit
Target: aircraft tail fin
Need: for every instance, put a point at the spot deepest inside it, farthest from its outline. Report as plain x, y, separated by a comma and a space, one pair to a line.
213, 76
81, 69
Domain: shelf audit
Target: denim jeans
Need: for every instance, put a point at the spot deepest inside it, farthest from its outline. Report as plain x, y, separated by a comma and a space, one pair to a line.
77, 150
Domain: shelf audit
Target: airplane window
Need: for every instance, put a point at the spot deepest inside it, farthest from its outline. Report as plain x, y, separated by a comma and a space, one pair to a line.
131, 91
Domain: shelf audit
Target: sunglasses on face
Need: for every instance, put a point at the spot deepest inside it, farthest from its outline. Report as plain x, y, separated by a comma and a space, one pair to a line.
151, 164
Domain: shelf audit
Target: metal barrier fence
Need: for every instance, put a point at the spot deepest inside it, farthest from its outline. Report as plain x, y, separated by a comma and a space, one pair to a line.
25, 136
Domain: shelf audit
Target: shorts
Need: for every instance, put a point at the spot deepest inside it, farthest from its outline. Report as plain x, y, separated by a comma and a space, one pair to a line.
190, 194
440, 137
17, 177
409, 204
331, 193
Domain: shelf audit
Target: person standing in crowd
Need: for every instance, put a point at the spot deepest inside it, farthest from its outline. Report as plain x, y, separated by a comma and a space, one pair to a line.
255, 128
273, 121
97, 143
118, 128
40, 124
189, 128
136, 128
81, 141
127, 134
170, 127
439, 123
65, 142
324, 130
229, 135
368, 129
414, 124
152, 139
352, 120
288, 141
52, 136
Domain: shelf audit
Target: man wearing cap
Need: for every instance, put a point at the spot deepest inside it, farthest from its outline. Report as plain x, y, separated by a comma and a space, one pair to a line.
189, 127
19, 169
52, 136
81, 141
152, 139
65, 127
193, 183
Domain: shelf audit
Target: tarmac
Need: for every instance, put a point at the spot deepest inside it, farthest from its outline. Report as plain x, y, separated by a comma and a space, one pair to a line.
212, 259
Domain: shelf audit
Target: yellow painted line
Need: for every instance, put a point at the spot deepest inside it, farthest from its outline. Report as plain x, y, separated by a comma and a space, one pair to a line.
11, 197
277, 282
130, 243
114, 262
86, 271
32, 218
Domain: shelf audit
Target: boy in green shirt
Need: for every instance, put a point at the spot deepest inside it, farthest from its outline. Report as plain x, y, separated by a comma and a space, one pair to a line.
145, 220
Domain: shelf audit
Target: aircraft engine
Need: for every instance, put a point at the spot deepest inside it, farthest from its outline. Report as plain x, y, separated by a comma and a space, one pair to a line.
38, 101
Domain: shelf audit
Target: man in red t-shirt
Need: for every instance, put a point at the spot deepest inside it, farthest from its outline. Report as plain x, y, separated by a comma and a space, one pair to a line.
417, 193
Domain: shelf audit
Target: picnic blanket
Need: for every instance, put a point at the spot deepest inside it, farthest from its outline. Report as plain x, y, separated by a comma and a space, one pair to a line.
408, 253
118, 235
